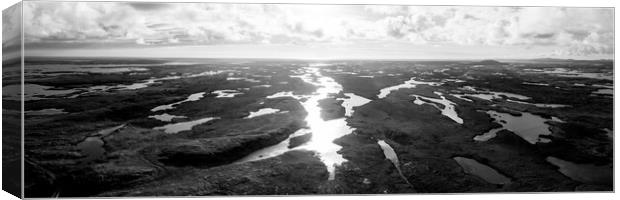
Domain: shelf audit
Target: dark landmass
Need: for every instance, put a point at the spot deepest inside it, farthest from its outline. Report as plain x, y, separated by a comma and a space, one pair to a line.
331, 109
279, 175
299, 140
140, 160
11, 129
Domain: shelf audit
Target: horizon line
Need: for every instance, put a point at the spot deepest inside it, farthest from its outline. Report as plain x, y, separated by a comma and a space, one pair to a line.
320, 59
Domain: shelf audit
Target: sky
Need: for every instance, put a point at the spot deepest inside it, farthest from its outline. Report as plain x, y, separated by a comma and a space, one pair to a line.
11, 32
208, 30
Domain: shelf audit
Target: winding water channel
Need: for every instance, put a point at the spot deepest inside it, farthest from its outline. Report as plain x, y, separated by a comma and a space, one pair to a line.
323, 132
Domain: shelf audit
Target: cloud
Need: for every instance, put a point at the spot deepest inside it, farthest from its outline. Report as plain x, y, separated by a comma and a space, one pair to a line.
574, 31
593, 44
578, 31
144, 6
11, 33
11, 23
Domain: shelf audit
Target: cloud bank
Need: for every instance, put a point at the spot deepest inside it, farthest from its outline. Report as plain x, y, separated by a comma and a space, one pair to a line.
566, 31
11, 33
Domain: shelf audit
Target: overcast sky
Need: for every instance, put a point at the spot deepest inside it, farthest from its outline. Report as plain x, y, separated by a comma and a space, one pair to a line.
315, 31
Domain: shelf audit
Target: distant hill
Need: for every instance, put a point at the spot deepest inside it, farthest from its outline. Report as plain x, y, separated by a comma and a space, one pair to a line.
488, 62
558, 61
551, 60
568, 60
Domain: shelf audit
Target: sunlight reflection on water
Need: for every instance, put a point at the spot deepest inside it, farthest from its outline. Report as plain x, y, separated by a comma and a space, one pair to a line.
323, 132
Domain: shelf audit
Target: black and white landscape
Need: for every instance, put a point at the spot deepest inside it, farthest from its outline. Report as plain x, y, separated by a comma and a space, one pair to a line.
158, 99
